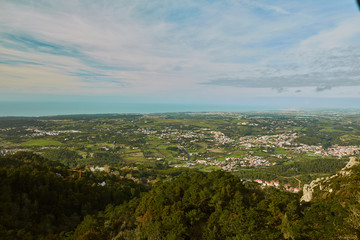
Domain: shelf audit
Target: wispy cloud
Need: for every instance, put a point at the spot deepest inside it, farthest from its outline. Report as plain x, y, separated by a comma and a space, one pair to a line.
320, 89
157, 48
325, 60
265, 7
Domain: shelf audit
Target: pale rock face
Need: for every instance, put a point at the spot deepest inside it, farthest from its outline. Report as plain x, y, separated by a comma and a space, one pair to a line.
346, 171
307, 193
353, 162
308, 189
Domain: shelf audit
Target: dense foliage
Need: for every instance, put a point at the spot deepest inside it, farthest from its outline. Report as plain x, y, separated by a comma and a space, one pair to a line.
42, 199
306, 168
216, 206
219, 206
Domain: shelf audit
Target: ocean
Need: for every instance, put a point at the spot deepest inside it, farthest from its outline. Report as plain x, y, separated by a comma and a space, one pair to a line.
66, 108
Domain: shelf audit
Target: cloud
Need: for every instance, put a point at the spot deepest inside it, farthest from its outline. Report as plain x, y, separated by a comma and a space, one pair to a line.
280, 90
311, 63
28, 43
345, 33
266, 7
320, 89
311, 79
156, 48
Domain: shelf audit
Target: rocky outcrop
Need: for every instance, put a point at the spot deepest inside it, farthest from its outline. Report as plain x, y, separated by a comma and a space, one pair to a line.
308, 190
323, 184
353, 162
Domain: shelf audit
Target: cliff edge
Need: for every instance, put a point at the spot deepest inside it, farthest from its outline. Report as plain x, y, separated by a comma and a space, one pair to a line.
324, 184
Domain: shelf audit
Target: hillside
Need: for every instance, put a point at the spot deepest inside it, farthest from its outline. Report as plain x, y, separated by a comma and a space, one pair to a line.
335, 202
42, 199
45, 199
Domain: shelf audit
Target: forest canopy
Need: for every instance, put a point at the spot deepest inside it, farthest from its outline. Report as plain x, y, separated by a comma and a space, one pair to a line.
43, 199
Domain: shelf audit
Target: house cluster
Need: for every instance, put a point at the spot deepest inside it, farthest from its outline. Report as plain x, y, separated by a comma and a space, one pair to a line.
225, 165
232, 163
336, 151
145, 131
38, 132
342, 151
169, 133
255, 161
6, 129
285, 141
289, 188
248, 124
278, 140
105, 168
272, 183
8, 151
221, 138
306, 148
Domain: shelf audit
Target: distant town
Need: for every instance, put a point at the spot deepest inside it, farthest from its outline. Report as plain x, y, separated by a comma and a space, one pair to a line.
249, 145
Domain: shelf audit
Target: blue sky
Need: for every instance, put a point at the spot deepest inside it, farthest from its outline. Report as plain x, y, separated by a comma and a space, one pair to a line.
191, 52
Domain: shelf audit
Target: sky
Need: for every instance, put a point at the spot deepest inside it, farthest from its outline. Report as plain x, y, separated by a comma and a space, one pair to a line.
223, 52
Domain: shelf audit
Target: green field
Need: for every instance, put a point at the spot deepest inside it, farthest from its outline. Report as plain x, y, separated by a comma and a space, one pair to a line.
288, 162
42, 142
280, 151
209, 168
350, 138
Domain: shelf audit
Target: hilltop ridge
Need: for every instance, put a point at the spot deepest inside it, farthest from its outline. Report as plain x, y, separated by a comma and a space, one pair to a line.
325, 184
